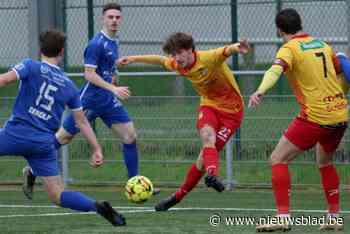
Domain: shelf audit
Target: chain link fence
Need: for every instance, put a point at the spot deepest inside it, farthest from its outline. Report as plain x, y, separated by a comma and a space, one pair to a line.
14, 31
164, 116
147, 23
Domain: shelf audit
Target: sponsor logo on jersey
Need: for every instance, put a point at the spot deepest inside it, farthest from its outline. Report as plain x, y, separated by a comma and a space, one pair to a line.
314, 44
44, 69
39, 114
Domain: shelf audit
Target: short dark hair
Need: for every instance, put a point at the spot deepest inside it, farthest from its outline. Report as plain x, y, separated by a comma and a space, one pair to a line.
110, 6
51, 42
178, 41
288, 21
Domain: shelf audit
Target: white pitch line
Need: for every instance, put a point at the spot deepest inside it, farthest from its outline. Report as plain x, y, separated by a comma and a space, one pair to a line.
28, 206
180, 208
44, 215
250, 209
53, 206
132, 209
64, 214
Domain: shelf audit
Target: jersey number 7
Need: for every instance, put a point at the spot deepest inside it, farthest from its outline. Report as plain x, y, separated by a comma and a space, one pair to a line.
321, 54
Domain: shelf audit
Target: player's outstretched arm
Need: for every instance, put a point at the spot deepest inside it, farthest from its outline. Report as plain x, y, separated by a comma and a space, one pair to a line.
121, 92
269, 80
8, 78
149, 59
85, 128
241, 47
345, 66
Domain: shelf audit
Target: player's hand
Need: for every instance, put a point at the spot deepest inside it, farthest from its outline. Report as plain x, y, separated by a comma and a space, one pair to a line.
244, 46
124, 61
96, 158
122, 92
255, 99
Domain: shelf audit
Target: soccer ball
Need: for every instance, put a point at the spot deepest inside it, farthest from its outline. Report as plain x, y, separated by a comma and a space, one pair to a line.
138, 189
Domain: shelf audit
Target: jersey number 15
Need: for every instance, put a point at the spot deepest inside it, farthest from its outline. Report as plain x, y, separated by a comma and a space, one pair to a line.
45, 94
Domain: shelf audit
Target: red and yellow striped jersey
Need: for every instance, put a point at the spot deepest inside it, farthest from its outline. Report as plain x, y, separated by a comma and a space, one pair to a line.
308, 65
212, 79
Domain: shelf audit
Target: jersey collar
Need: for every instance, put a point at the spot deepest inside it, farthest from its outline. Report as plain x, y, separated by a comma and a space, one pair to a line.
51, 65
300, 35
108, 37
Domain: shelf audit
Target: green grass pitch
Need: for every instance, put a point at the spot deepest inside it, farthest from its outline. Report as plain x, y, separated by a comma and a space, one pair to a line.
17, 215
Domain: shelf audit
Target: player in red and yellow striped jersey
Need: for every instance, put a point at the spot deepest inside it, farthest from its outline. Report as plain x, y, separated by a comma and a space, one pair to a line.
221, 106
307, 63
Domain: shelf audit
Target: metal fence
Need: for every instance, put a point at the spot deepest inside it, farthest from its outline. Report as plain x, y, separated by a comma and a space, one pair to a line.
13, 13
212, 23
168, 143
165, 119
147, 22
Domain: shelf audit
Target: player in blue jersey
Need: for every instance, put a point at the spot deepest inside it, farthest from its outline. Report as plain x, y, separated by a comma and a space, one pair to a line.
344, 64
44, 92
99, 94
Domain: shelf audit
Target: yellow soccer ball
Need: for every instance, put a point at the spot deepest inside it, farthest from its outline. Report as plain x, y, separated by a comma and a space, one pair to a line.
138, 189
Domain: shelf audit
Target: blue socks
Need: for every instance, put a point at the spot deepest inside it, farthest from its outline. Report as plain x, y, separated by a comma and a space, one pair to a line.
77, 201
131, 159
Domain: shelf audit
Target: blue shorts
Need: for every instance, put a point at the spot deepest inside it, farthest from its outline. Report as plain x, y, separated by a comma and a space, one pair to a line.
110, 113
42, 157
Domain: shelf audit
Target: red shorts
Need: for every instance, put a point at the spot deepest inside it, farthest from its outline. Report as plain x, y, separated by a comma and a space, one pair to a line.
224, 123
305, 135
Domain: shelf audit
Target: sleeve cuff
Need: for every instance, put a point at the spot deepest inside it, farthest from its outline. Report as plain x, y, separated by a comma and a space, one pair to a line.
77, 109
90, 65
282, 63
17, 74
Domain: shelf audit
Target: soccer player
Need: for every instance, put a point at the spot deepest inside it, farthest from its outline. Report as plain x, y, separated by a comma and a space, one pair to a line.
344, 64
44, 91
322, 121
221, 107
99, 94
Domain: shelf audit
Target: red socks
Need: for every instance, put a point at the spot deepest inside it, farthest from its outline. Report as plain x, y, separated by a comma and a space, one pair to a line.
211, 161
211, 164
281, 185
192, 178
330, 182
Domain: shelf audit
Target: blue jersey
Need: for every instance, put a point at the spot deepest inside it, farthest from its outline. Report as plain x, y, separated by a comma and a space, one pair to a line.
44, 91
345, 65
101, 53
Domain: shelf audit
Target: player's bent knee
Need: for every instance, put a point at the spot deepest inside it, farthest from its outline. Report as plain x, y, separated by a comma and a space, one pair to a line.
277, 158
285, 152
53, 187
54, 193
55, 197
208, 136
129, 138
323, 162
